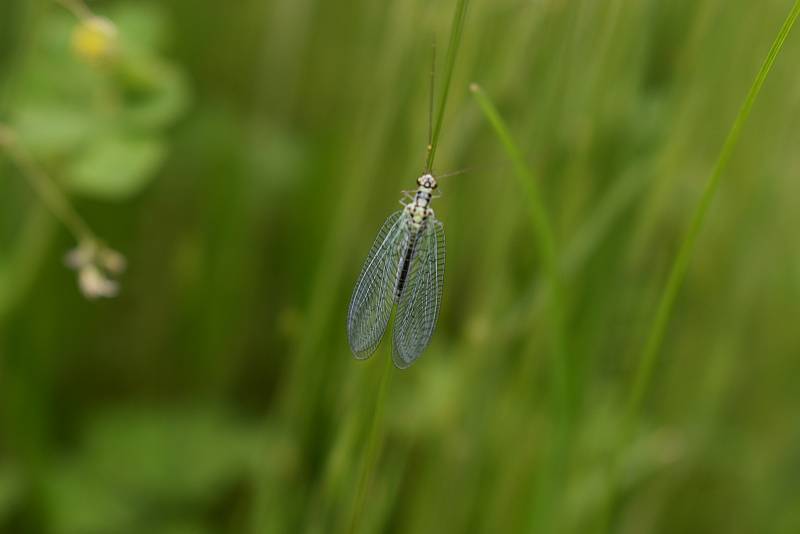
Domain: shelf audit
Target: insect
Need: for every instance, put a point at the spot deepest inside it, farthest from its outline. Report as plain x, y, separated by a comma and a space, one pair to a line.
404, 267
404, 270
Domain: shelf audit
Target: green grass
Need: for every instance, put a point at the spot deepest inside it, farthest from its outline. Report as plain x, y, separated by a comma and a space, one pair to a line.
376, 428
648, 357
217, 392
677, 274
373, 448
456, 30
546, 503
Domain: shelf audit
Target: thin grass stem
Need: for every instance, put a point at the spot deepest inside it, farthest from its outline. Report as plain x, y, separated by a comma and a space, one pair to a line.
374, 445
49, 193
542, 227
456, 30
548, 491
377, 426
655, 338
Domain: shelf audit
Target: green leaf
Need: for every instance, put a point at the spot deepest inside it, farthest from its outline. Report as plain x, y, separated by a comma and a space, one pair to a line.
51, 130
154, 94
102, 126
141, 24
178, 455
116, 167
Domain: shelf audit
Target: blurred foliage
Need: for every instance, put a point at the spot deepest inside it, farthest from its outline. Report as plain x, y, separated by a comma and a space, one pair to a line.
242, 156
98, 119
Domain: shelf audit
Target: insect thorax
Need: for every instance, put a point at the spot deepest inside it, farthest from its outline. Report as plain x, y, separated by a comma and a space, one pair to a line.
418, 210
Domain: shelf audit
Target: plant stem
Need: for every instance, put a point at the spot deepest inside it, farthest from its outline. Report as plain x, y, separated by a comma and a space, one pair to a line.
374, 445
546, 504
655, 338
49, 193
543, 229
456, 30
376, 428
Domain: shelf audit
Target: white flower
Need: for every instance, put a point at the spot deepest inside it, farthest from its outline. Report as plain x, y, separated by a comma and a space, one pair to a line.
94, 284
95, 263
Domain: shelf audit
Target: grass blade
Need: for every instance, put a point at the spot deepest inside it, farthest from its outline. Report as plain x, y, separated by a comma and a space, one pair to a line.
374, 444
655, 337
548, 491
457, 28
542, 228
375, 440
649, 355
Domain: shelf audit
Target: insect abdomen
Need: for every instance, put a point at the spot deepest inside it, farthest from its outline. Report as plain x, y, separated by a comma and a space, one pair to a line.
405, 265
418, 212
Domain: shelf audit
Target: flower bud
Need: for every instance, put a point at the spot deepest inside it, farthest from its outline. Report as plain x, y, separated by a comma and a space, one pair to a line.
94, 39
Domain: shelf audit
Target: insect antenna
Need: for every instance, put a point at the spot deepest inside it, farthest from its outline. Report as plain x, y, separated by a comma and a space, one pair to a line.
494, 166
454, 173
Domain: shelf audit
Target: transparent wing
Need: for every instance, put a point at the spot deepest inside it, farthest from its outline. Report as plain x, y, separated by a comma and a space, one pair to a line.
373, 297
419, 302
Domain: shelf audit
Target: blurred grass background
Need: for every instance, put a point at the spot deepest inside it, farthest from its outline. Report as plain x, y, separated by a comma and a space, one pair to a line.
242, 158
